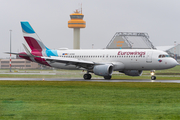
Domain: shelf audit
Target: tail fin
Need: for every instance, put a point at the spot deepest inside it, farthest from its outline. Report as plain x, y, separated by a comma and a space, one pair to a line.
32, 39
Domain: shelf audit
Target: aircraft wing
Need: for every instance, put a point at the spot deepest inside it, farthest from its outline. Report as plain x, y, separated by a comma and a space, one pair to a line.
71, 61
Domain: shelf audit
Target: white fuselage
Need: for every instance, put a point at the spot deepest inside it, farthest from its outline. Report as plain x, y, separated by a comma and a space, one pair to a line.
122, 59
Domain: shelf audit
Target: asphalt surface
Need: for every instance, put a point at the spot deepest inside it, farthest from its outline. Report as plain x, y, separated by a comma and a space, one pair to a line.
93, 80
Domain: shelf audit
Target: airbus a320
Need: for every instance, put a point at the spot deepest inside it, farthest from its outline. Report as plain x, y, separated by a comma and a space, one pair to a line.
101, 62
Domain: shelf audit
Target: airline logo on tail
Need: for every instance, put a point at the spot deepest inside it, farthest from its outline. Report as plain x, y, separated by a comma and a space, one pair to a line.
38, 49
32, 39
36, 45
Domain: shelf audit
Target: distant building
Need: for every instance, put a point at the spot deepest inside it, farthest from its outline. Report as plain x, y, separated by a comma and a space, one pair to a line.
130, 40
173, 51
133, 40
18, 64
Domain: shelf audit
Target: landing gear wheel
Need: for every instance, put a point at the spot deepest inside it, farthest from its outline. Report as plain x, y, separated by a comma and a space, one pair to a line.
87, 76
153, 77
107, 77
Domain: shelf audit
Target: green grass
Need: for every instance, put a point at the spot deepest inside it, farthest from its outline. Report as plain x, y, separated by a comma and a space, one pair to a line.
45, 100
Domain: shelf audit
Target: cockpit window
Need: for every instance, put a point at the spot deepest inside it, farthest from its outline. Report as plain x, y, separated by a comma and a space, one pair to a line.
162, 56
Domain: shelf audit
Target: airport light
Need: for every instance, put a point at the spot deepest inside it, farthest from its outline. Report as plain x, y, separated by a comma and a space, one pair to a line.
175, 57
10, 52
92, 46
152, 73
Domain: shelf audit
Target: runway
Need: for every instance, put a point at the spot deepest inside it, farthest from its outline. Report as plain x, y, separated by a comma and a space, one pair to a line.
92, 80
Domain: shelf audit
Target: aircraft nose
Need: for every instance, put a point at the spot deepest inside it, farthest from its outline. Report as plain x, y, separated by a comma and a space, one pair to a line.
174, 62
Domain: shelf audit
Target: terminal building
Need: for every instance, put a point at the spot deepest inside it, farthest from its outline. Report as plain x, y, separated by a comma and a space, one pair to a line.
18, 64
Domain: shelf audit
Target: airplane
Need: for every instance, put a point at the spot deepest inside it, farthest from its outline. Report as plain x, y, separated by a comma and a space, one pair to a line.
101, 62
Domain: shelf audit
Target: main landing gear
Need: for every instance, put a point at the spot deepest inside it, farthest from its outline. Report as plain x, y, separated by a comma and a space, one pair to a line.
153, 77
107, 77
87, 76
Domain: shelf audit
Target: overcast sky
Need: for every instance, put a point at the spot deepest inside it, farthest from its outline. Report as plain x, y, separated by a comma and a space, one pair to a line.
159, 18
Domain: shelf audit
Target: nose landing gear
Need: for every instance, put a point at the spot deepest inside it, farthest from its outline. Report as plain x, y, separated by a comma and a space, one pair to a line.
107, 77
153, 77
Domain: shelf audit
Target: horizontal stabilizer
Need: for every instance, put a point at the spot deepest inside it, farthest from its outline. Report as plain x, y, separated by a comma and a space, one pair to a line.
22, 54
16, 53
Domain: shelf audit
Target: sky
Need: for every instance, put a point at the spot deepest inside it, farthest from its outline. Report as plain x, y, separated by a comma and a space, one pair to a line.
49, 18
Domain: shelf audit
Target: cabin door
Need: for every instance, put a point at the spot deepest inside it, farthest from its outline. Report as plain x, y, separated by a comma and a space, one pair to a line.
149, 57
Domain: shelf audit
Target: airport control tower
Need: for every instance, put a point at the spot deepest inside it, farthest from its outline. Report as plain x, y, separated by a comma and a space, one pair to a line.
76, 23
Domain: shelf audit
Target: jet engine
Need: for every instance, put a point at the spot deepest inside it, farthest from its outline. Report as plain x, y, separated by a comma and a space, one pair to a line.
132, 72
103, 70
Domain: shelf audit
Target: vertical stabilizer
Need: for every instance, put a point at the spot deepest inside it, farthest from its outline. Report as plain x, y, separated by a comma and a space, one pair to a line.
32, 39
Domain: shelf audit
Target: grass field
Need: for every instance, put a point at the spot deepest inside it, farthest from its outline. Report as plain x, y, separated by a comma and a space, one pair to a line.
43, 100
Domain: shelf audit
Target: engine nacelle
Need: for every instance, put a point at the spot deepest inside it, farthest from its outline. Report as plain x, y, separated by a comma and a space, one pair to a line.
103, 70
133, 72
